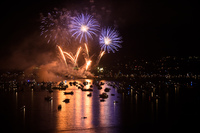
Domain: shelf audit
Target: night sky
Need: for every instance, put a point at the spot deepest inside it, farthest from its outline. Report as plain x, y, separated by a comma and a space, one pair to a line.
148, 28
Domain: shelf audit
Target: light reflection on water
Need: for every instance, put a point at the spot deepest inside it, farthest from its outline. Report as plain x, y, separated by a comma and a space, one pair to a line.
85, 113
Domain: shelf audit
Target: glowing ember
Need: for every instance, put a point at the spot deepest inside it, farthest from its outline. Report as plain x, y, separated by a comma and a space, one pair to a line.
88, 63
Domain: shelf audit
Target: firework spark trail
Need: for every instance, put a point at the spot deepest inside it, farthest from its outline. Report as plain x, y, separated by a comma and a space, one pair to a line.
84, 26
109, 40
101, 54
70, 56
63, 56
73, 58
99, 57
87, 51
88, 63
77, 54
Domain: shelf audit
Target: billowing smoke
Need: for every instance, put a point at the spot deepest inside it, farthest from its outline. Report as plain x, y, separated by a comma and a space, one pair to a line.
56, 71
40, 61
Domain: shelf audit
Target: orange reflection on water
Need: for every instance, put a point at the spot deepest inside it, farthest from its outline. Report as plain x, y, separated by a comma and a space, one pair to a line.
88, 106
105, 114
78, 112
65, 117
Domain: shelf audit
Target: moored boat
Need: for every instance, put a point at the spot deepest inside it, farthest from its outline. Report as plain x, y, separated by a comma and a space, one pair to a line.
89, 95
102, 100
87, 89
103, 95
107, 89
59, 107
66, 100
69, 93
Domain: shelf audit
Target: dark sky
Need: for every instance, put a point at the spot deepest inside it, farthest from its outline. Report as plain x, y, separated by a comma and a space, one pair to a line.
148, 27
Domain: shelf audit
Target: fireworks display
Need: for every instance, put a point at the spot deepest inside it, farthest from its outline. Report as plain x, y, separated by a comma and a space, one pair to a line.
109, 40
54, 26
84, 26
60, 27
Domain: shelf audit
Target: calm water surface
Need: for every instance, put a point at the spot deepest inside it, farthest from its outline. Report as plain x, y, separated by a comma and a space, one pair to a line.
175, 109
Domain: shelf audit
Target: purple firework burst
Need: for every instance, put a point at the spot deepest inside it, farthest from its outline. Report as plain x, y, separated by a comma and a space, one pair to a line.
110, 40
84, 26
54, 26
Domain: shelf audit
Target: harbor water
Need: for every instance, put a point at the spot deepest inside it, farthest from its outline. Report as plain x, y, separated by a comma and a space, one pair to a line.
175, 109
